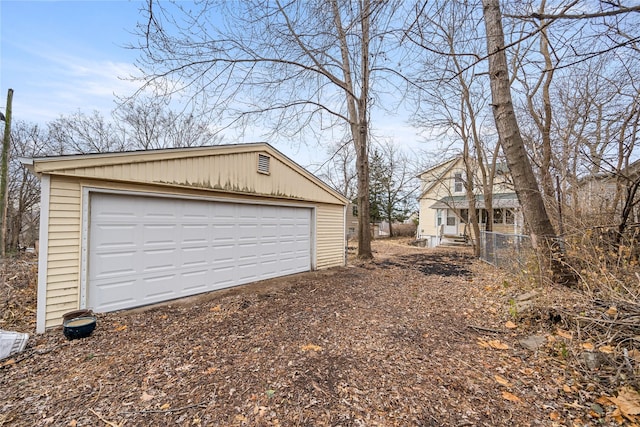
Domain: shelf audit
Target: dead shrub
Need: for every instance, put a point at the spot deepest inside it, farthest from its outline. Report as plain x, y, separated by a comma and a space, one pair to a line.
404, 230
608, 267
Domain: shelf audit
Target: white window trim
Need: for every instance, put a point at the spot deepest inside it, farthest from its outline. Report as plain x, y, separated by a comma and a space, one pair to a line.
457, 175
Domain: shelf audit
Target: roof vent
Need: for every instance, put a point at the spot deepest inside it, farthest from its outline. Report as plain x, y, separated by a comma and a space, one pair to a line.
263, 163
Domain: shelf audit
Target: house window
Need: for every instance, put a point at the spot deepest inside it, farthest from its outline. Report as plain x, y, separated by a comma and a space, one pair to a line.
497, 216
439, 217
509, 216
354, 210
464, 215
457, 186
263, 163
451, 220
482, 215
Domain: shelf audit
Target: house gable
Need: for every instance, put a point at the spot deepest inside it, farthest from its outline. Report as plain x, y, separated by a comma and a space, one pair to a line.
439, 181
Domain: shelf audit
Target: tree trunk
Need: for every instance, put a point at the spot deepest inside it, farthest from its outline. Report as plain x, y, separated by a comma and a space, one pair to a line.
357, 113
526, 186
362, 168
472, 217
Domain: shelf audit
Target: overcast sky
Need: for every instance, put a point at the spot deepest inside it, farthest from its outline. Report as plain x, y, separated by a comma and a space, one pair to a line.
63, 56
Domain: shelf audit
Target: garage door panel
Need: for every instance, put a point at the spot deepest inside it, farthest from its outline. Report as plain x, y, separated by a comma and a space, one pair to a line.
193, 256
114, 236
223, 232
145, 250
224, 212
116, 295
195, 280
159, 259
112, 264
160, 234
194, 233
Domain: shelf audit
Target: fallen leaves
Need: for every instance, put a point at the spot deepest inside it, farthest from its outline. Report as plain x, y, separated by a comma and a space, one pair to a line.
588, 346
606, 349
564, 334
510, 325
495, 344
310, 347
146, 396
511, 397
502, 381
634, 354
8, 362
329, 346
628, 404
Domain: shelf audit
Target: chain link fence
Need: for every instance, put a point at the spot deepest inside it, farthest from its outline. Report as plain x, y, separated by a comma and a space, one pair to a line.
509, 251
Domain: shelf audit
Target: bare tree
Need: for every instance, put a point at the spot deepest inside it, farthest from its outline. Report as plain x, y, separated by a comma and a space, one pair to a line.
4, 172
149, 123
447, 34
543, 115
526, 186
27, 140
577, 75
284, 65
81, 133
339, 170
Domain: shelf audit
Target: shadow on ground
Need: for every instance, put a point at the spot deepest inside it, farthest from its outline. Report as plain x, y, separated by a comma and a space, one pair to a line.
444, 264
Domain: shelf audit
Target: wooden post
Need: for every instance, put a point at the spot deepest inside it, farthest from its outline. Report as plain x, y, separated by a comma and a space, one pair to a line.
4, 172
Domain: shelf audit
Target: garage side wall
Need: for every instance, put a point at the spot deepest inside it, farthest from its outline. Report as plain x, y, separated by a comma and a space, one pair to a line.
330, 238
63, 249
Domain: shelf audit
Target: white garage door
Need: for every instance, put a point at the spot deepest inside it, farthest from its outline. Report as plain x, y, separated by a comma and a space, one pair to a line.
144, 250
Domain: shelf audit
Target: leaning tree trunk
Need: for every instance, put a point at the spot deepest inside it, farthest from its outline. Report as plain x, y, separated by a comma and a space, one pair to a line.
542, 233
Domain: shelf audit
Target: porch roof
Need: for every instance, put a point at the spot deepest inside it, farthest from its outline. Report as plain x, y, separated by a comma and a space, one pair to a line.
500, 200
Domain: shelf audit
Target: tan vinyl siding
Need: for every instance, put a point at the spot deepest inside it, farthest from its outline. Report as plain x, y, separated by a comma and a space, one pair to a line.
230, 173
63, 249
330, 241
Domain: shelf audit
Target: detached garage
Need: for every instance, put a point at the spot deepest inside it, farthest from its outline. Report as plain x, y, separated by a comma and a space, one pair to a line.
122, 230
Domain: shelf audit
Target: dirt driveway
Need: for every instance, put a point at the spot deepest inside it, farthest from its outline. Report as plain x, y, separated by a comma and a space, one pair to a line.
417, 337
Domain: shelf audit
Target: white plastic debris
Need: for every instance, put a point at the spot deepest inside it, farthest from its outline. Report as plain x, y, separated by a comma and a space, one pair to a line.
12, 343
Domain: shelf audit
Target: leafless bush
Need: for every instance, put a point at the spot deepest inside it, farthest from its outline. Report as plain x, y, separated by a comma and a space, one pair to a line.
404, 230
608, 267
607, 263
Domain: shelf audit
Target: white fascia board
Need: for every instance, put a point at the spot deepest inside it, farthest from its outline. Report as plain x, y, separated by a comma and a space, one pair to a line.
43, 253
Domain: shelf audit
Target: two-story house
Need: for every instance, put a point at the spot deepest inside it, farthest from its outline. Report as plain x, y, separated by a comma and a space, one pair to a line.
444, 206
